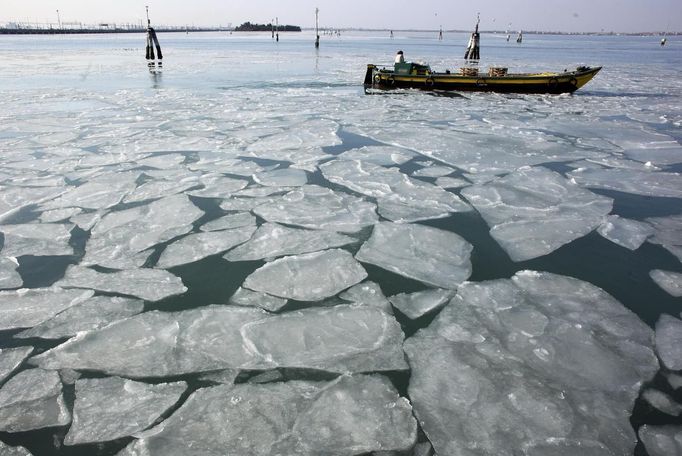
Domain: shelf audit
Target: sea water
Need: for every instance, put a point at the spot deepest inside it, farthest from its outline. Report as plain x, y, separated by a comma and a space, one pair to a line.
247, 214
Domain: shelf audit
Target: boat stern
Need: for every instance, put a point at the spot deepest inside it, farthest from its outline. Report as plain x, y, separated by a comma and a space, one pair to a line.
369, 75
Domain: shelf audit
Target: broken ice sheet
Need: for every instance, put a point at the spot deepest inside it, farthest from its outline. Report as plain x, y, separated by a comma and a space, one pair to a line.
433, 171
647, 183
9, 276
669, 341
120, 239
668, 233
317, 207
147, 284
534, 211
10, 359
37, 239
249, 298
660, 154
94, 313
662, 402
391, 187
627, 233
286, 177
418, 304
14, 199
349, 416
510, 364
452, 182
430, 255
307, 277
669, 281
195, 247
6, 450
32, 399
99, 193
160, 344
155, 189
379, 155
58, 215
218, 186
230, 221
111, 408
661, 440
367, 294
26, 308
272, 240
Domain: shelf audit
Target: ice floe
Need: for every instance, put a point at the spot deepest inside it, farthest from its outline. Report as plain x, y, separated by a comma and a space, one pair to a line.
367, 294
32, 399
379, 155
661, 440
250, 298
400, 197
648, 183
307, 277
539, 364
452, 182
349, 416
668, 233
430, 255
38, 239
6, 450
26, 308
10, 359
195, 247
272, 240
344, 338
533, 211
286, 177
670, 281
627, 233
100, 193
218, 186
662, 402
317, 207
111, 408
120, 239
230, 221
14, 199
433, 171
669, 341
94, 313
418, 304
9, 276
147, 284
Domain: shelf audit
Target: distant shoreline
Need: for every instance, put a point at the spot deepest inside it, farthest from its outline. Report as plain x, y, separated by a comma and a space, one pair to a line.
166, 29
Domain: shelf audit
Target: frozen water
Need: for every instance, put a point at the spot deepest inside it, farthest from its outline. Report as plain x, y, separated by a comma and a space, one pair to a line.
6, 450
317, 207
259, 192
627, 233
433, 171
218, 186
147, 284
648, 183
286, 177
215, 162
9, 276
533, 211
272, 240
394, 190
94, 313
452, 182
119, 239
675, 380
99, 193
379, 155
418, 304
10, 359
249, 298
349, 416
661, 440
343, 338
156, 189
435, 257
368, 294
14, 199
668, 233
195, 247
38, 239
32, 399
670, 281
26, 308
111, 408
669, 153
307, 277
224, 377
661, 401
59, 215
669, 341
230, 221
538, 358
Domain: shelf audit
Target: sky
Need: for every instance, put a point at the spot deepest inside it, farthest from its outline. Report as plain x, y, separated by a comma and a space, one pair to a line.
624, 16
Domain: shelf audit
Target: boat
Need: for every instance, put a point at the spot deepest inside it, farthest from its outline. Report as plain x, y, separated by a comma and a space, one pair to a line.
417, 76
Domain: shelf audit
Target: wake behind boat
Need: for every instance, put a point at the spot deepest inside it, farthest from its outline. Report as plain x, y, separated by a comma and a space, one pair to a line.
416, 76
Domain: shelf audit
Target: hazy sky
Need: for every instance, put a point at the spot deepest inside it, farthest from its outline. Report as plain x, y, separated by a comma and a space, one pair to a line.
573, 15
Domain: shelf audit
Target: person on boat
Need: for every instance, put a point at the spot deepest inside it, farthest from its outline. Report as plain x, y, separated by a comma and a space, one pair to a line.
399, 57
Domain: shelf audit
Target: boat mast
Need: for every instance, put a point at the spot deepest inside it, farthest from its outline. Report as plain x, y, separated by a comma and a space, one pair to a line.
473, 49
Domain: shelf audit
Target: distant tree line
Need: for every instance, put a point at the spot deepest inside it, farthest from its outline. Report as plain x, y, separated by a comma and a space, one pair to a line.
249, 27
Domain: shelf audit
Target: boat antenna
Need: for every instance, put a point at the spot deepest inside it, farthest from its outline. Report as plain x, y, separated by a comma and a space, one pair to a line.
473, 48
152, 41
